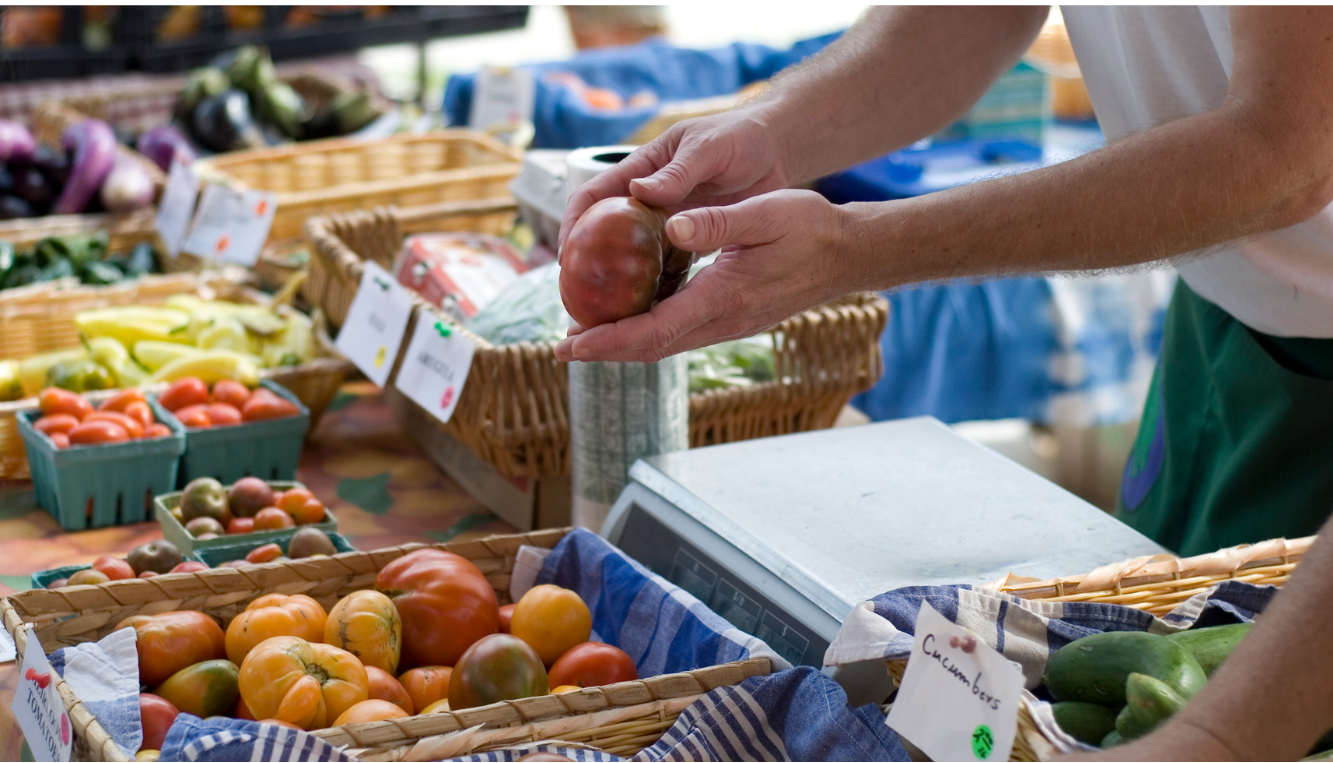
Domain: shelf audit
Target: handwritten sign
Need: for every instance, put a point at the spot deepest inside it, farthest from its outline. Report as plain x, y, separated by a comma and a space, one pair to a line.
38, 708
959, 698
177, 207
435, 366
231, 225
375, 324
502, 96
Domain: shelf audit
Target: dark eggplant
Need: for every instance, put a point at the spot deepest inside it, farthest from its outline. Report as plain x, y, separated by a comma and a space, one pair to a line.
6, 180
203, 83
54, 163
34, 187
164, 143
224, 123
14, 208
124, 135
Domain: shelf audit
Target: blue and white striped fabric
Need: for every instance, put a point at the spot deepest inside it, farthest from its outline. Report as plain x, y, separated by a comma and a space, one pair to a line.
662, 627
105, 676
226, 739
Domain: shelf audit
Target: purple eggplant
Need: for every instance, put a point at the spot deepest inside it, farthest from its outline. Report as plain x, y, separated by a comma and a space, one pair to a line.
94, 147
164, 142
33, 187
16, 143
127, 187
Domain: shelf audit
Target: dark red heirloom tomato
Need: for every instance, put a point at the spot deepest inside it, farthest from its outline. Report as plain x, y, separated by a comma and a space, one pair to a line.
618, 261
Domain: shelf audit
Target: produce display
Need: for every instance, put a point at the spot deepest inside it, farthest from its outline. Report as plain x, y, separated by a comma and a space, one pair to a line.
83, 256
68, 420
228, 403
209, 510
84, 174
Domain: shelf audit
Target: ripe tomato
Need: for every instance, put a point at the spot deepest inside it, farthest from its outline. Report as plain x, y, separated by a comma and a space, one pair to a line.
113, 568
366, 624
506, 617
264, 554
302, 683
552, 620
273, 615
156, 715
172, 641
87, 577
426, 686
273, 519
566, 689
264, 405
140, 412
231, 392
370, 710
203, 689
593, 664
496, 668
60, 439
147, 574
97, 433
156, 430
292, 499
384, 686
223, 415
445, 602
56, 422
131, 425
189, 567
194, 416
120, 401
243, 711
311, 512
242, 525
439, 706
284, 724
54, 400
183, 393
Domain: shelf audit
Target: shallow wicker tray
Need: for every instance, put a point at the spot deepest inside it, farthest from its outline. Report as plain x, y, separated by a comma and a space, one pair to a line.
1155, 584
625, 716
514, 409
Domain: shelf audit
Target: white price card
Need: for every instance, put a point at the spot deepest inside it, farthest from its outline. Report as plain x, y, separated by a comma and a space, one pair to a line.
375, 324
7, 650
959, 698
502, 96
177, 207
37, 706
231, 225
435, 366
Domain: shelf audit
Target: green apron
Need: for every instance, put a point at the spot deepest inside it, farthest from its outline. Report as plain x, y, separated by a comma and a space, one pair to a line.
1236, 441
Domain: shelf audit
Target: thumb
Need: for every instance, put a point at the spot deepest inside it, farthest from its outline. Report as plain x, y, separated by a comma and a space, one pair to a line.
709, 228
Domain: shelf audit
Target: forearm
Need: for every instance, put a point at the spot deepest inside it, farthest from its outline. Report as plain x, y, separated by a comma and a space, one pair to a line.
899, 75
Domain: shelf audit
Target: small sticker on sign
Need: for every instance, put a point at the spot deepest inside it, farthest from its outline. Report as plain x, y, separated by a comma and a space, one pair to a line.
177, 206
375, 324
435, 367
38, 708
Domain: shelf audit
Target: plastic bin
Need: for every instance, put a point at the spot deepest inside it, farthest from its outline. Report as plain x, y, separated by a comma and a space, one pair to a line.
215, 555
102, 485
175, 532
269, 450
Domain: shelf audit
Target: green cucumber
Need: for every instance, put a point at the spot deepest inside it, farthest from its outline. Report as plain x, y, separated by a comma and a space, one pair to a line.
1150, 702
1095, 668
1084, 721
1210, 646
1111, 740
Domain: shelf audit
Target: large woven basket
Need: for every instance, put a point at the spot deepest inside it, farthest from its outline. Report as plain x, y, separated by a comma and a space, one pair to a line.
1155, 584
622, 717
514, 409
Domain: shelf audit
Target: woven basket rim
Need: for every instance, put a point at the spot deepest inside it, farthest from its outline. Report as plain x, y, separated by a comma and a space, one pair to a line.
222, 162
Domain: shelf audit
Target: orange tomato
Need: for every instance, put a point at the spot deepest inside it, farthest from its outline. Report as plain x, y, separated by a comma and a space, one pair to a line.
113, 567
121, 400
293, 499
426, 686
284, 724
60, 439
440, 706
565, 689
243, 711
97, 433
54, 400
384, 686
139, 411
171, 641
156, 430
223, 415
264, 405
366, 624
311, 512
56, 422
302, 683
131, 425
194, 416
183, 393
273, 615
370, 710
593, 664
273, 519
552, 620
506, 617
231, 392
242, 525
264, 554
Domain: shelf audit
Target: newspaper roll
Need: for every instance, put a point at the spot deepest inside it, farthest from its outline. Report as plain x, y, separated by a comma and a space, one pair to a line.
618, 412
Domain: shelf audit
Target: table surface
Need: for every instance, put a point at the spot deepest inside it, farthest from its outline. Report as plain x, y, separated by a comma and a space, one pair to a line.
382, 489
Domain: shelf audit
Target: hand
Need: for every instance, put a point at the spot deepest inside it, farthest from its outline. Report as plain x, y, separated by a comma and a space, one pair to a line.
711, 161
1177, 740
782, 253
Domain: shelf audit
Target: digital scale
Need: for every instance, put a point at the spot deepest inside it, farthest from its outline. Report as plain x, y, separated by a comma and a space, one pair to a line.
782, 536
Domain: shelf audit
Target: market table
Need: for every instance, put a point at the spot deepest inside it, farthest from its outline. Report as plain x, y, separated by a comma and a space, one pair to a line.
383, 491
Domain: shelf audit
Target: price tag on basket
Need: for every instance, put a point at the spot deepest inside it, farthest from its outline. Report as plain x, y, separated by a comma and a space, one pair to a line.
435, 366
177, 207
959, 698
231, 225
38, 708
7, 650
375, 324
502, 96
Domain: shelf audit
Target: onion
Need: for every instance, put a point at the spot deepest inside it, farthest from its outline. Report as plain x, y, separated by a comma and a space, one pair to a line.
16, 143
127, 187
94, 146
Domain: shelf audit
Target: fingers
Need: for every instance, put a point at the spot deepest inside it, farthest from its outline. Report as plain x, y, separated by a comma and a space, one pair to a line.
615, 181
646, 335
748, 223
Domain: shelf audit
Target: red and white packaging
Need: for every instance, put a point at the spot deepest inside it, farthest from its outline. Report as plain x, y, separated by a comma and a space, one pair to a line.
458, 272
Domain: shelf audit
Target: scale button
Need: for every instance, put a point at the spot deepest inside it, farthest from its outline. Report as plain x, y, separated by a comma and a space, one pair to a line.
735, 607
784, 639
693, 575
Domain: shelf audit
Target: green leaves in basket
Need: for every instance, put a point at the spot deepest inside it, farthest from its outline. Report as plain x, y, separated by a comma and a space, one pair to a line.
368, 493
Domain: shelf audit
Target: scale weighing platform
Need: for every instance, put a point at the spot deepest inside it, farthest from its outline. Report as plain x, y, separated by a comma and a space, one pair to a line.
782, 536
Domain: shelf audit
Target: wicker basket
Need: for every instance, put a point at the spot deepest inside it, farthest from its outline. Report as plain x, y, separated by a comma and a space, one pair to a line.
624, 717
514, 408
1155, 584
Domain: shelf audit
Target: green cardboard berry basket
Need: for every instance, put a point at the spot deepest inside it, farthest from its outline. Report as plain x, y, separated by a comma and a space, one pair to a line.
175, 532
87, 486
215, 555
47, 577
269, 450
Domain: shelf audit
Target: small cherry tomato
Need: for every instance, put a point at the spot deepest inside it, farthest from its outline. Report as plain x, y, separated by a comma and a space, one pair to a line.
264, 554
264, 405
273, 519
139, 411
189, 567
97, 433
183, 393
231, 392
311, 512
156, 430
120, 401
241, 525
129, 423
55, 400
59, 422
194, 417
60, 439
293, 499
113, 567
223, 415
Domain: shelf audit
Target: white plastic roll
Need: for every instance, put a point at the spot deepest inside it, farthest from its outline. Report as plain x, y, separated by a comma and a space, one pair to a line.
587, 163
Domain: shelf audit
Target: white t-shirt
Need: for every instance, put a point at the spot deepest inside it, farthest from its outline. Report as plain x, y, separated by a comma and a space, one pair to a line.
1145, 66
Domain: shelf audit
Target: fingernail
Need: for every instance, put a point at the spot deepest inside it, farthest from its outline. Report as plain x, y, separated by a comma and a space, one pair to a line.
563, 346
650, 183
682, 228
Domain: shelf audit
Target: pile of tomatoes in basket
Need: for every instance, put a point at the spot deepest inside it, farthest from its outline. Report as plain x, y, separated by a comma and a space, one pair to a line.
69, 420
431, 637
227, 404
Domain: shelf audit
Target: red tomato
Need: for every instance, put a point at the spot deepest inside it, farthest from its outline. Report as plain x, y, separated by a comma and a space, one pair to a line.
506, 617
194, 417
241, 525
157, 715
139, 411
55, 400
445, 602
499, 667
273, 519
147, 574
97, 433
189, 567
232, 393
223, 415
58, 422
156, 430
264, 554
172, 641
593, 664
60, 439
183, 393
121, 400
129, 423
264, 405
113, 568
